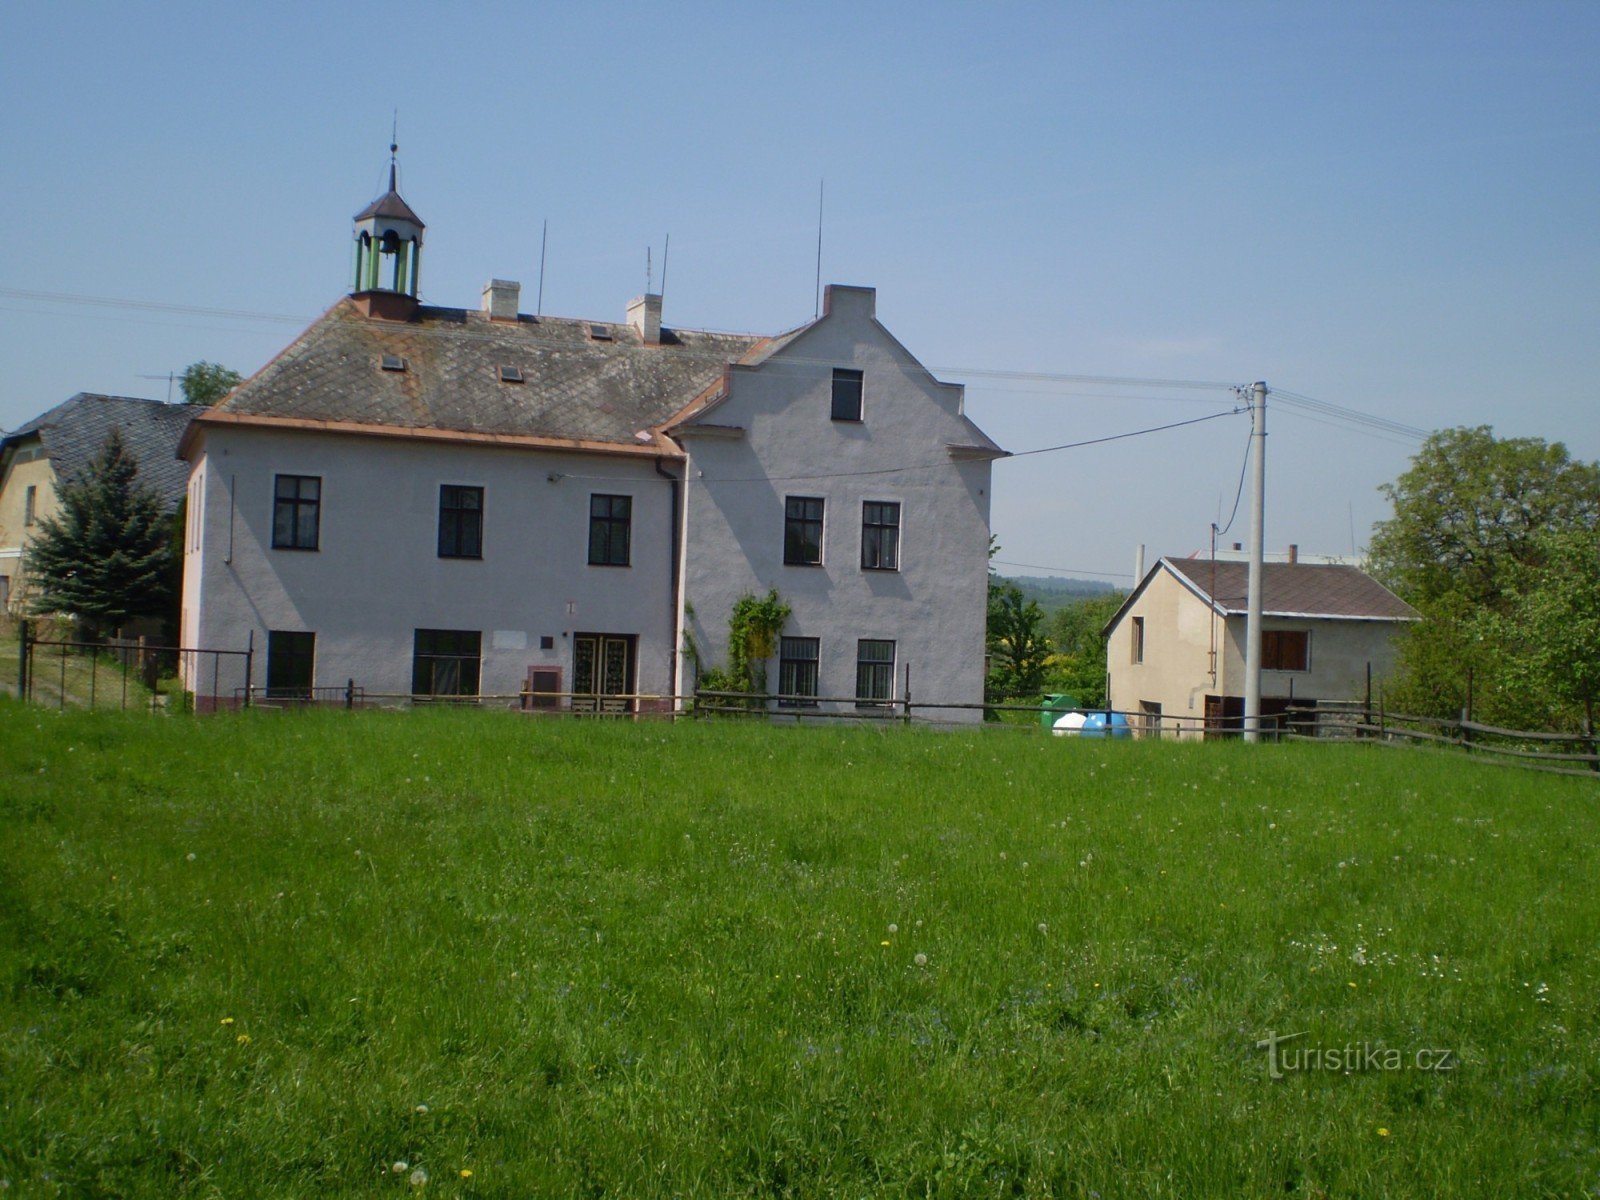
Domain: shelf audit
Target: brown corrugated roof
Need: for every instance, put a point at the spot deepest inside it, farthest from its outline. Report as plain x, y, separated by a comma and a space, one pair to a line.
1293, 589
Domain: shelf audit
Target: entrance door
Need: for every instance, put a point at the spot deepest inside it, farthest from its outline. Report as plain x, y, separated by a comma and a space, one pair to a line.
602, 672
1224, 716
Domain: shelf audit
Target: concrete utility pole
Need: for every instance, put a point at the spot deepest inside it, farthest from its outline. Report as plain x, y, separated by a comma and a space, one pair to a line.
1258, 500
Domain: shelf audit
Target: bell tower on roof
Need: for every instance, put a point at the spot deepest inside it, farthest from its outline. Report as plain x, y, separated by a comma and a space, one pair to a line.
388, 254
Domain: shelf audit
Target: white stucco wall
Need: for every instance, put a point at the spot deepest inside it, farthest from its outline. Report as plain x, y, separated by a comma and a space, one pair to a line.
377, 576
1340, 651
934, 606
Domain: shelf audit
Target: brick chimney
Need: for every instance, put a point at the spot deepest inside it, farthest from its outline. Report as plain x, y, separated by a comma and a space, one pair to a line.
644, 314
501, 298
1294, 553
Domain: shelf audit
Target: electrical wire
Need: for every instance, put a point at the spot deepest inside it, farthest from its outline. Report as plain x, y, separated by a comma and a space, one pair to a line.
1238, 495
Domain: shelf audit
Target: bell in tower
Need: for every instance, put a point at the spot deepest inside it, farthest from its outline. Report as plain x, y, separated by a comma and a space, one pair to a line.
388, 246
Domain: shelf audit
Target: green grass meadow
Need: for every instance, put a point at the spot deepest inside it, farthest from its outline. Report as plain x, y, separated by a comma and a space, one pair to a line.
281, 954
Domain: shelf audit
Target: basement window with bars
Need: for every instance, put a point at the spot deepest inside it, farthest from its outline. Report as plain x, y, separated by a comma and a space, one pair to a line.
797, 672
874, 673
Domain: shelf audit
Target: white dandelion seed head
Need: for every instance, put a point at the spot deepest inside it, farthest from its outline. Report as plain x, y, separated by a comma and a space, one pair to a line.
1043, 928
893, 928
419, 1178
423, 1109
921, 960
400, 1167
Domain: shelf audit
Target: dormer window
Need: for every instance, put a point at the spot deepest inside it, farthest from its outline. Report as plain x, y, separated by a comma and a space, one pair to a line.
846, 394
393, 362
511, 375
600, 333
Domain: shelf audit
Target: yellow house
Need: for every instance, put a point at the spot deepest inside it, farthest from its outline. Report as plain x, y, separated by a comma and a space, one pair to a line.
55, 446
1175, 650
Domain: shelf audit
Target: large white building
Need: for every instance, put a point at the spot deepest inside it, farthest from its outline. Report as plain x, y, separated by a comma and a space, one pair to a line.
436, 501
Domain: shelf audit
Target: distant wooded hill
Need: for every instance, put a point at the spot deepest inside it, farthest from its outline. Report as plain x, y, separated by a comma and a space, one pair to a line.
1053, 592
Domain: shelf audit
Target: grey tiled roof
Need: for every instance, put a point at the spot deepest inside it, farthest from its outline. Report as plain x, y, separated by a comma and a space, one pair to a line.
1295, 589
576, 388
73, 432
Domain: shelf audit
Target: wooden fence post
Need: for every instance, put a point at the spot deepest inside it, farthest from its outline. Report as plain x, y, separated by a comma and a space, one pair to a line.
24, 651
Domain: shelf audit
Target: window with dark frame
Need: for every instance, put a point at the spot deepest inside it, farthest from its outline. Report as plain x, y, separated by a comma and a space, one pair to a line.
446, 662
30, 499
846, 394
1285, 650
802, 531
1138, 639
290, 664
460, 521
296, 512
610, 530
797, 672
874, 672
880, 535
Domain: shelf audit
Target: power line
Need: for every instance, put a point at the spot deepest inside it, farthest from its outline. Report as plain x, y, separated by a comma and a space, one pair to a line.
1243, 467
1117, 437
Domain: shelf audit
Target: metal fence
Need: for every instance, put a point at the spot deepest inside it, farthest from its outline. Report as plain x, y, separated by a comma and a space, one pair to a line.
127, 673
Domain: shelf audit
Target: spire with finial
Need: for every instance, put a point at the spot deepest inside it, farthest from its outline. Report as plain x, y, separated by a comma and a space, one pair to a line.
388, 245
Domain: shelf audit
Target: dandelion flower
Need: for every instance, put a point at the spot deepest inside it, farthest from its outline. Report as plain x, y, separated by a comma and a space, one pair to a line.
419, 1178
1382, 1132
466, 1172
401, 1167
884, 943
893, 928
1043, 928
243, 1039
423, 1109
227, 1020
921, 960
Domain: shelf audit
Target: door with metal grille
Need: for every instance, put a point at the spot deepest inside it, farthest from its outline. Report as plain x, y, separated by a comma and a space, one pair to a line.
602, 673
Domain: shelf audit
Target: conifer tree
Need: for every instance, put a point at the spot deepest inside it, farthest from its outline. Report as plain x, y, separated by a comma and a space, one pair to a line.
104, 556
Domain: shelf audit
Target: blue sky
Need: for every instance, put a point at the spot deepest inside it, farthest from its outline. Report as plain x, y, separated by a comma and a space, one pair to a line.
1387, 207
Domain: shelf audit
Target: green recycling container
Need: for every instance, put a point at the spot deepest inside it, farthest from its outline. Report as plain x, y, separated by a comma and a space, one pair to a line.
1056, 703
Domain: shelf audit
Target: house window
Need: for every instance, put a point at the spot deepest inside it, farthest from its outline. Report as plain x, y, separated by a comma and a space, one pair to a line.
30, 499
846, 394
5, 592
797, 672
296, 512
460, 521
610, 522
445, 662
289, 664
874, 672
1285, 650
802, 531
880, 535
1138, 639
1149, 718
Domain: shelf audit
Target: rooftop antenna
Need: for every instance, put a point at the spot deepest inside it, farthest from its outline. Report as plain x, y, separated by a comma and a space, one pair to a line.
170, 377
818, 297
543, 235
649, 276
665, 250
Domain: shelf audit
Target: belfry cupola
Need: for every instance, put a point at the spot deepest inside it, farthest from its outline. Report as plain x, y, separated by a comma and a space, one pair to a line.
388, 246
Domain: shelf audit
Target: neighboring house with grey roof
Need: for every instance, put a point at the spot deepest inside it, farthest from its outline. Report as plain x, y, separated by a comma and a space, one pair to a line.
53, 447
1175, 650
439, 501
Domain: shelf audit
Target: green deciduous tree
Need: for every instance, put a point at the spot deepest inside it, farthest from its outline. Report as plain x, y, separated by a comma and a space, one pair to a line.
1469, 513
1483, 529
1553, 628
1018, 648
105, 556
206, 382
